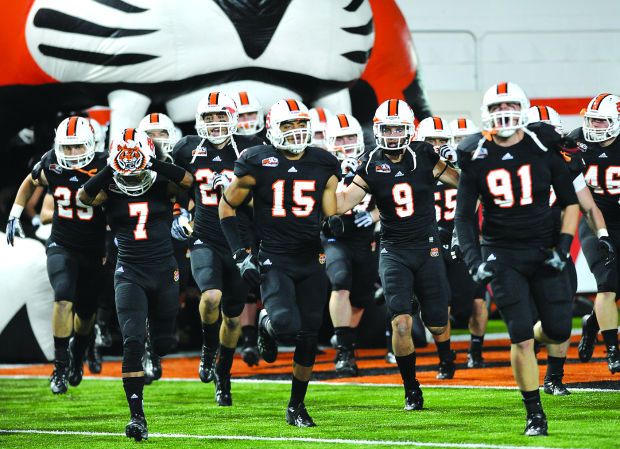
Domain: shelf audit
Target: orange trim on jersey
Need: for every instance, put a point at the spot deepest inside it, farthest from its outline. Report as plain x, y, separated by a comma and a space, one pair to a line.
502, 88
597, 101
71, 126
344, 122
213, 96
437, 123
154, 117
243, 97
392, 108
292, 105
322, 116
543, 112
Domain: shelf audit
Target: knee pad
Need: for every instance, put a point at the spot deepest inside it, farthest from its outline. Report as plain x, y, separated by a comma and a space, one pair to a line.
163, 345
287, 339
341, 280
557, 332
282, 325
305, 349
133, 349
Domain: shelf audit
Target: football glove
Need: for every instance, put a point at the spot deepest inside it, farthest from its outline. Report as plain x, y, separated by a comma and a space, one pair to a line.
483, 273
14, 226
335, 225
555, 259
349, 164
363, 219
455, 247
607, 248
447, 152
248, 267
181, 228
221, 180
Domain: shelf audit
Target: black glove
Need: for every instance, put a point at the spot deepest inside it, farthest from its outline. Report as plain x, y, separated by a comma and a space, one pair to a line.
248, 267
483, 273
335, 225
445, 237
12, 227
607, 248
557, 258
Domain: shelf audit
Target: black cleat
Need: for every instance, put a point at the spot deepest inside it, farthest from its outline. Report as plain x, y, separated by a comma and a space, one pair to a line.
151, 365
475, 360
414, 400
345, 363
613, 359
76, 365
298, 416
206, 369
249, 354
267, 345
390, 358
587, 342
447, 367
553, 385
536, 425
222, 390
93, 358
136, 428
58, 381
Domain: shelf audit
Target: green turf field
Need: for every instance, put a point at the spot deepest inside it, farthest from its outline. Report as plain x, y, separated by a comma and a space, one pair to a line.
458, 416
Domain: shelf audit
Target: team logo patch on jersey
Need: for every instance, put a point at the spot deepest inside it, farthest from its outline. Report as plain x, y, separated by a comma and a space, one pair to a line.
176, 275
373, 247
270, 162
129, 159
56, 168
322, 258
383, 168
434, 252
582, 146
199, 151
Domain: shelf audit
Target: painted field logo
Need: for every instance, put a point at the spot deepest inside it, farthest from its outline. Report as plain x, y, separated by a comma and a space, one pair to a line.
322, 258
176, 275
434, 252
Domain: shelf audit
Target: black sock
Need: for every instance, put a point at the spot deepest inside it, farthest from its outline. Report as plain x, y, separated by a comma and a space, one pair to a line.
61, 350
531, 399
443, 350
476, 342
611, 337
592, 323
133, 391
211, 335
80, 343
298, 392
555, 366
406, 366
345, 337
250, 335
224, 363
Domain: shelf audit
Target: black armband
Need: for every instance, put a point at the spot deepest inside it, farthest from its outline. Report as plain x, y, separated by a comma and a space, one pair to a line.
36, 171
230, 229
173, 172
361, 187
97, 182
442, 171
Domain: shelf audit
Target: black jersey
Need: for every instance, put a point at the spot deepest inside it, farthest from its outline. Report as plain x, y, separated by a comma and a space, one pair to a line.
141, 223
203, 161
602, 174
288, 196
445, 206
352, 234
404, 193
75, 225
513, 184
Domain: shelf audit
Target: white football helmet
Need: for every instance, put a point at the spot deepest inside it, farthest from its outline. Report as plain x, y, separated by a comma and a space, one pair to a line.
434, 128
157, 121
74, 131
217, 102
283, 111
504, 122
545, 114
602, 107
344, 125
99, 135
130, 151
462, 128
248, 104
318, 123
393, 113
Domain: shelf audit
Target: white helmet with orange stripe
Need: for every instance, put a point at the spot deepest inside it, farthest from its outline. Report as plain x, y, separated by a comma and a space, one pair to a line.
251, 117
504, 109
393, 125
161, 130
462, 128
216, 117
545, 114
435, 131
99, 135
130, 152
601, 119
344, 136
288, 126
318, 122
74, 143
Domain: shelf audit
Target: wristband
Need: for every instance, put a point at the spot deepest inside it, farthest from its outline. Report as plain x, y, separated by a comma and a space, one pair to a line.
600, 233
564, 243
16, 211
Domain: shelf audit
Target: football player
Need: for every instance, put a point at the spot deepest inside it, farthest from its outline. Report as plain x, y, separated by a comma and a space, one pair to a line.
462, 128
512, 167
351, 261
293, 186
598, 138
76, 246
210, 156
137, 190
162, 132
318, 122
401, 175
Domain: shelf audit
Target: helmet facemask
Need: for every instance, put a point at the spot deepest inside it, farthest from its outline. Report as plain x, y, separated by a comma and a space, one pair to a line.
293, 139
397, 140
343, 150
226, 128
136, 183
506, 121
600, 134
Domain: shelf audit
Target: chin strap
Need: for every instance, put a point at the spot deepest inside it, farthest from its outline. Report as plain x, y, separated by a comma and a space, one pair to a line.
195, 152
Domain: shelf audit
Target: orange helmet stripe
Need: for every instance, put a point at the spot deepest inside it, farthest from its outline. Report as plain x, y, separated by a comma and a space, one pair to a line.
344, 122
322, 116
129, 134
392, 108
437, 123
71, 126
543, 112
462, 123
243, 96
597, 101
213, 96
292, 105
502, 88
154, 117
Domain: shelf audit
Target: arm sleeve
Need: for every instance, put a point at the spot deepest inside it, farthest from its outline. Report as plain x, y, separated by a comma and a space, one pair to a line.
466, 198
243, 166
97, 182
562, 181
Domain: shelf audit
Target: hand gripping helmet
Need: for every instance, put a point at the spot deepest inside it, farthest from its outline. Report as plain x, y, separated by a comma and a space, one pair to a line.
603, 107
462, 128
318, 123
434, 128
344, 125
248, 104
393, 113
283, 111
544, 114
130, 151
74, 131
216, 102
157, 121
504, 122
